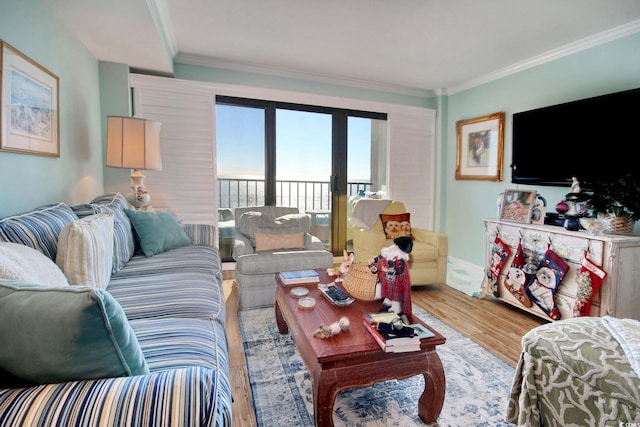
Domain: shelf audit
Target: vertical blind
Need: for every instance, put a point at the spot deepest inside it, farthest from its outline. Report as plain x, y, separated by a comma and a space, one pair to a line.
187, 184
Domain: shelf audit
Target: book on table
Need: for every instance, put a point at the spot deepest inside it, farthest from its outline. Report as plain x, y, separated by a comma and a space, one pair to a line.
300, 276
390, 342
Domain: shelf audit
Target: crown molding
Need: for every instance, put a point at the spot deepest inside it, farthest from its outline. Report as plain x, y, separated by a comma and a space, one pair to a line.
552, 55
160, 10
190, 59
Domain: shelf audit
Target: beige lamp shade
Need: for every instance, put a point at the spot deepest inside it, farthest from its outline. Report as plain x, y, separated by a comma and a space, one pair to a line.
133, 143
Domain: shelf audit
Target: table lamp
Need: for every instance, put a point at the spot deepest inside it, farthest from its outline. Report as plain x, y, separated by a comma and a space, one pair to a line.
134, 144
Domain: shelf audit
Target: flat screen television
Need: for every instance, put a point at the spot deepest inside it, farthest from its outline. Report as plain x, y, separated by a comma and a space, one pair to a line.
592, 139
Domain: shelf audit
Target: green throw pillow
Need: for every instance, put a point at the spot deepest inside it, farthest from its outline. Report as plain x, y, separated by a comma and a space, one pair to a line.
157, 231
60, 334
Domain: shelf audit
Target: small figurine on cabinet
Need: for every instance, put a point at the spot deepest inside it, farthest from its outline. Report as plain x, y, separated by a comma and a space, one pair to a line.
575, 185
393, 281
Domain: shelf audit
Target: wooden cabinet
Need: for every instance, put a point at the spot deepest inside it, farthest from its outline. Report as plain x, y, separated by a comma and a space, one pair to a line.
619, 256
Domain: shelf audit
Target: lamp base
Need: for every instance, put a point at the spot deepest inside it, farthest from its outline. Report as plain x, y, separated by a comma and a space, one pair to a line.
138, 197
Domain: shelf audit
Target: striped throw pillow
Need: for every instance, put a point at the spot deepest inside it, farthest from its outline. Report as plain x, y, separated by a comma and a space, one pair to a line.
38, 229
85, 250
123, 240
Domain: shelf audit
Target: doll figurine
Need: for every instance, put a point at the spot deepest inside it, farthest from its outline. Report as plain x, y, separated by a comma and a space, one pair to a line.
393, 281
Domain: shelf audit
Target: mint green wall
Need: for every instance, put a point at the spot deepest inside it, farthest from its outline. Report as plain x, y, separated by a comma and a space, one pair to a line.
28, 181
603, 69
115, 100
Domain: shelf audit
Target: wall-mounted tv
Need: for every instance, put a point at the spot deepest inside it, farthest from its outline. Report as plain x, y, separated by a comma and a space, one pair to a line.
593, 139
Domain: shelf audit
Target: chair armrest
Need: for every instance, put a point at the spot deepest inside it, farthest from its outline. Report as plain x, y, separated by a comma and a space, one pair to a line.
311, 242
201, 234
439, 240
242, 246
126, 401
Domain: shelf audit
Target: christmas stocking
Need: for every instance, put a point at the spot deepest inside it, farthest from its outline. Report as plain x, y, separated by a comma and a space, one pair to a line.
499, 253
517, 279
590, 278
543, 286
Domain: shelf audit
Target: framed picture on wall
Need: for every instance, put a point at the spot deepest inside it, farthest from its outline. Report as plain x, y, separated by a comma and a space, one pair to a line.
517, 205
480, 144
29, 107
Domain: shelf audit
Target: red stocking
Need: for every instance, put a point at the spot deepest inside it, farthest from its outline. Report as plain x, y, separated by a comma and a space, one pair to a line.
589, 280
517, 280
499, 254
542, 288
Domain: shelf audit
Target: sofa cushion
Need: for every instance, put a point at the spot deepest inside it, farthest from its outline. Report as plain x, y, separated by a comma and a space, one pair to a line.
185, 258
38, 228
59, 334
270, 262
85, 250
179, 293
396, 225
174, 343
157, 231
251, 223
293, 223
275, 241
25, 264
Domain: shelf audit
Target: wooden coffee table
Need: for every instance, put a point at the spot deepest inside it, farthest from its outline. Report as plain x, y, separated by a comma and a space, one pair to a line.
353, 358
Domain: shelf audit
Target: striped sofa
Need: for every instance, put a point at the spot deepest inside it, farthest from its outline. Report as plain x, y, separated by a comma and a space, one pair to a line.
174, 303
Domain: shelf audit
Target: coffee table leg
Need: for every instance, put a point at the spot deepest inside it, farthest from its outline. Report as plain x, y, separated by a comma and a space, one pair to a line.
324, 395
282, 325
432, 398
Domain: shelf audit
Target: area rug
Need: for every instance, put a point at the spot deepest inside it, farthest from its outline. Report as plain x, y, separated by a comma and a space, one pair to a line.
477, 382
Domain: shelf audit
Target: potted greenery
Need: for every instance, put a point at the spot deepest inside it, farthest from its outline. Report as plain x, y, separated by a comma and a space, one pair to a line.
618, 200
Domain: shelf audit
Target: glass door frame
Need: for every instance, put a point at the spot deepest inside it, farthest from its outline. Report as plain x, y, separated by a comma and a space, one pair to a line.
338, 180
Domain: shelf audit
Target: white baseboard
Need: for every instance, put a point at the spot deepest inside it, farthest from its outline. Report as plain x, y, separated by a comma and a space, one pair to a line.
464, 276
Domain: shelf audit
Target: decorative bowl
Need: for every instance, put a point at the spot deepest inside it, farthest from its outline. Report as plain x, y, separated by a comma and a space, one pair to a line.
594, 226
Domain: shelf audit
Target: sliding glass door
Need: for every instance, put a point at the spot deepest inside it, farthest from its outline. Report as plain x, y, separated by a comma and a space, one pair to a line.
317, 159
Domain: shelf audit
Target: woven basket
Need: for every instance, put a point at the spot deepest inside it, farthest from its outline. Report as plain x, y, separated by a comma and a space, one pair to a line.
619, 224
360, 282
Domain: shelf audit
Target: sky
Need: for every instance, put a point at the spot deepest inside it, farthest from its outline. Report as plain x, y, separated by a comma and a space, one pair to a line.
303, 141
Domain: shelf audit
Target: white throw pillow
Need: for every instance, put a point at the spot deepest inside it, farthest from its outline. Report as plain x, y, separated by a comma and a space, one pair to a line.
85, 250
25, 264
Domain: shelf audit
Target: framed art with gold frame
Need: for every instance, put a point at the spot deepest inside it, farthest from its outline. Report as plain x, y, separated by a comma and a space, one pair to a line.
480, 144
29, 105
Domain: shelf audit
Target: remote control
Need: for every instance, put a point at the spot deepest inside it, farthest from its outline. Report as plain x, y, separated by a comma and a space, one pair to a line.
335, 295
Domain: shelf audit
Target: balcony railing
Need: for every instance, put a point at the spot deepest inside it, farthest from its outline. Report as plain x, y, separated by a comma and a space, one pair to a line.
305, 195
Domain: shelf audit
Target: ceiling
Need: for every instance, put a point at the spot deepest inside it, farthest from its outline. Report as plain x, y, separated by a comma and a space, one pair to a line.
404, 46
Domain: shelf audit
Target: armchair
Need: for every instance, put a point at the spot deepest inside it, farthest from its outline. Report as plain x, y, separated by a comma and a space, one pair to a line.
268, 240
226, 231
428, 259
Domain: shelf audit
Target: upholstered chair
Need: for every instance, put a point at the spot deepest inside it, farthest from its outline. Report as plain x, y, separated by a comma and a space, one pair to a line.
269, 240
428, 258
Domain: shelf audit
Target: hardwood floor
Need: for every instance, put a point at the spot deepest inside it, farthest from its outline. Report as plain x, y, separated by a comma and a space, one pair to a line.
494, 325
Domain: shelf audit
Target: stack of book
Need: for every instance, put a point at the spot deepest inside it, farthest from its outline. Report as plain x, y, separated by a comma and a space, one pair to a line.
299, 277
392, 343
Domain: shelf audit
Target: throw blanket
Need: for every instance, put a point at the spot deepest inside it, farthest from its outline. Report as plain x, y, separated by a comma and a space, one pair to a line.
578, 372
367, 211
627, 333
